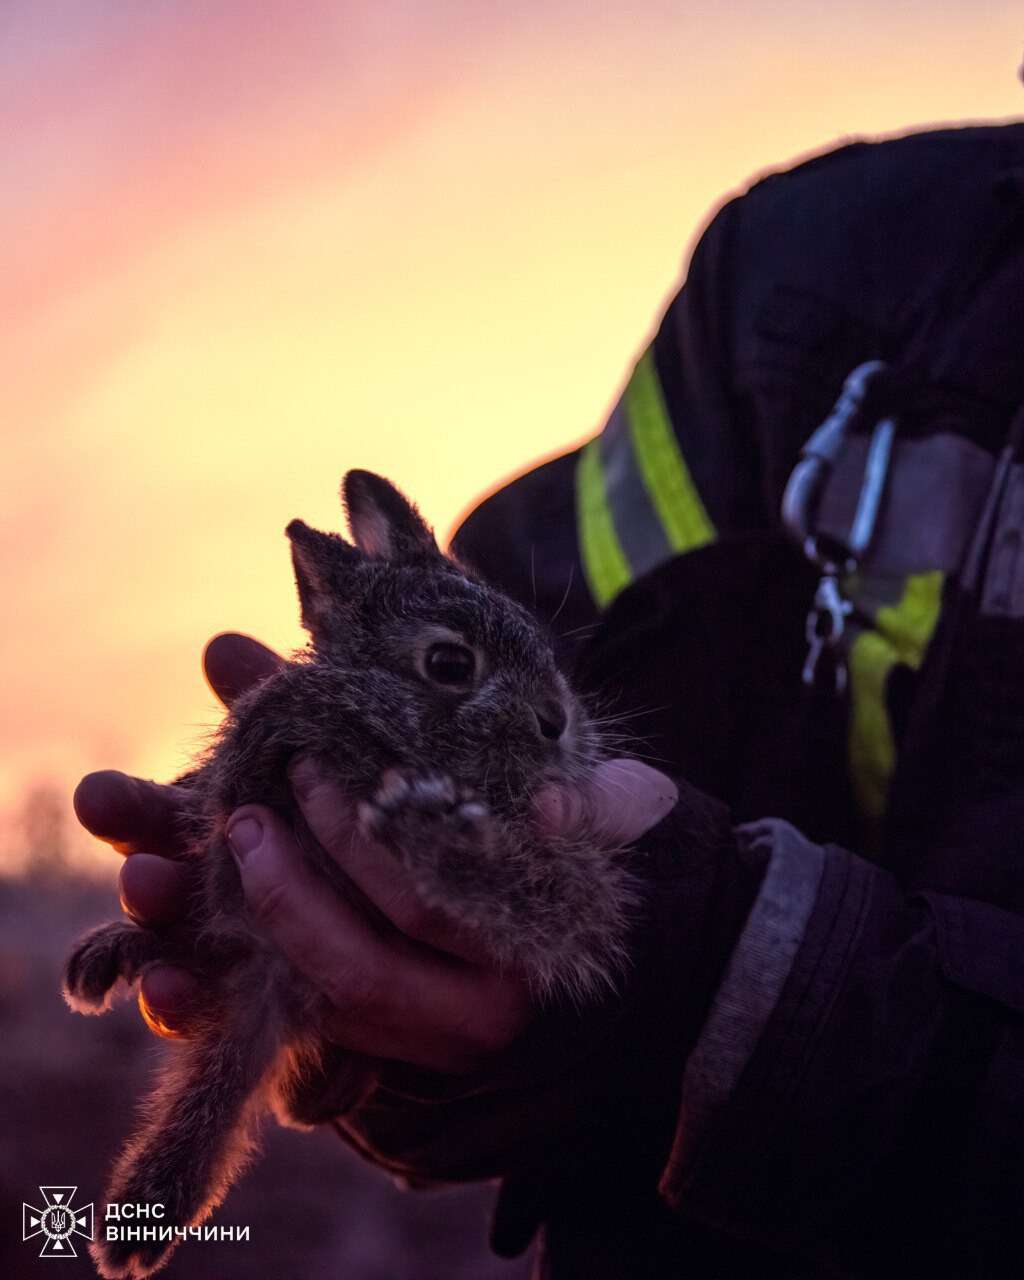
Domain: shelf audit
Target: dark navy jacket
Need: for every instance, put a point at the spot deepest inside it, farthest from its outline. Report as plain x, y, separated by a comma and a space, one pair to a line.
854, 1105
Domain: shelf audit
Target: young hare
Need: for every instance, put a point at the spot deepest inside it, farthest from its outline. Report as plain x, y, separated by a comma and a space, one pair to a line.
435, 702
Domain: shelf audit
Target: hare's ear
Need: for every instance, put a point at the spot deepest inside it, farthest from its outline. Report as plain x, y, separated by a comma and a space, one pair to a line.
383, 523
322, 562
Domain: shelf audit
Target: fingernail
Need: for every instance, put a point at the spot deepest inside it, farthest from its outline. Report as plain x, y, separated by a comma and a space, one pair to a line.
244, 836
167, 997
661, 793
156, 1021
631, 798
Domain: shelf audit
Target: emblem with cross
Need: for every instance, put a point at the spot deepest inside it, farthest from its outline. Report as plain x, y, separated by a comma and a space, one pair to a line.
58, 1222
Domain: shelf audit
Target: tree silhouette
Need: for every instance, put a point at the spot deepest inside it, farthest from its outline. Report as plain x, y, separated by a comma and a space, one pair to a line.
43, 827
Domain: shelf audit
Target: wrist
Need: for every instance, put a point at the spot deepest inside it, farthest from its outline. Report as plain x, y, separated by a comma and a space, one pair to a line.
700, 885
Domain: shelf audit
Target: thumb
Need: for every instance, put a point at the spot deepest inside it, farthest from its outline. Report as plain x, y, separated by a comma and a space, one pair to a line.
616, 804
233, 663
270, 866
317, 930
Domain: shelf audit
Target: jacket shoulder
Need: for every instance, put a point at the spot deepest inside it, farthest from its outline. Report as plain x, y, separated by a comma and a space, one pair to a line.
904, 205
977, 147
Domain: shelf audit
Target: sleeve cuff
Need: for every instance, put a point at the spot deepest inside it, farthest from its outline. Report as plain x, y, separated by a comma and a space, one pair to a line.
757, 971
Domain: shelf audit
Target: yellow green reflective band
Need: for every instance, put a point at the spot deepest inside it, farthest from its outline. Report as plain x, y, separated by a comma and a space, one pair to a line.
604, 562
665, 473
637, 505
901, 634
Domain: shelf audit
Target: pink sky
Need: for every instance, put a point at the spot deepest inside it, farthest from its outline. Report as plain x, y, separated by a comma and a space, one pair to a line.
249, 247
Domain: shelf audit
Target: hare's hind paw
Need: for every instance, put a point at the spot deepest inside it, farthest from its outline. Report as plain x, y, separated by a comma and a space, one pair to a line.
113, 951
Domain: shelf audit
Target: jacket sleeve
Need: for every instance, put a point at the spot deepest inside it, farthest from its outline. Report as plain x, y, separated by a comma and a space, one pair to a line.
860, 1076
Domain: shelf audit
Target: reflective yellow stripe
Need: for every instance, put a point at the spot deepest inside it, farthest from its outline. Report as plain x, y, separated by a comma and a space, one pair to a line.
902, 632
604, 562
664, 471
652, 510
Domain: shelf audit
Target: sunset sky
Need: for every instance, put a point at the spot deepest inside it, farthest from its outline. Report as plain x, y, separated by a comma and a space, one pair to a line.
251, 246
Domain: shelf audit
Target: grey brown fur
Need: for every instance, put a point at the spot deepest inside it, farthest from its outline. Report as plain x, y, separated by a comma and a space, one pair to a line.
443, 774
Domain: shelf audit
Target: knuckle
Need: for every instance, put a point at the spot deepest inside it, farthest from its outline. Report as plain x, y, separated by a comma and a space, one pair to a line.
353, 992
269, 904
328, 812
492, 1038
304, 777
258, 811
491, 1031
412, 916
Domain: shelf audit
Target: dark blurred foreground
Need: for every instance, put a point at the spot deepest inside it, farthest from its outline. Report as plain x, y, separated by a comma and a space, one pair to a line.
68, 1086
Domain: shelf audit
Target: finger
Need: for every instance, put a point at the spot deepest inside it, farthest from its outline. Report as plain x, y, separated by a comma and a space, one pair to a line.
168, 997
153, 889
619, 802
391, 997
131, 814
374, 870
233, 663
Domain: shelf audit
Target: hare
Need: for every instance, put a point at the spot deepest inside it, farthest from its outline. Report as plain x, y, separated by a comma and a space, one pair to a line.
435, 702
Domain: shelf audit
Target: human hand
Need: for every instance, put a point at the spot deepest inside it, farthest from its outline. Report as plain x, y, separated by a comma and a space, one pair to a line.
143, 820
404, 982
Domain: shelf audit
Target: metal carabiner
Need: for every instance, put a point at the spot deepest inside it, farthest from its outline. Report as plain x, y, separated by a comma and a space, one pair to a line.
826, 621
819, 454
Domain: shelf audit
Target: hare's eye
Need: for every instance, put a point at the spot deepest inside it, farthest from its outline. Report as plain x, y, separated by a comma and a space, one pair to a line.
452, 665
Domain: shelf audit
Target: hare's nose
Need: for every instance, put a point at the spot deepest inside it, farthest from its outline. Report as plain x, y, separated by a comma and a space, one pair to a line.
551, 718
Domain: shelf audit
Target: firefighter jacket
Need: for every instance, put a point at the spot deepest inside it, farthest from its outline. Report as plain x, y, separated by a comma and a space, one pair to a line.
854, 1103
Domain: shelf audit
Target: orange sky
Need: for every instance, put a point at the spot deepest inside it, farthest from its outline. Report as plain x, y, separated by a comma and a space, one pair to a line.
248, 250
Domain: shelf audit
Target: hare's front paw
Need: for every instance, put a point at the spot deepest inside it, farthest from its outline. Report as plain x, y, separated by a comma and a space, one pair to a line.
113, 951
434, 826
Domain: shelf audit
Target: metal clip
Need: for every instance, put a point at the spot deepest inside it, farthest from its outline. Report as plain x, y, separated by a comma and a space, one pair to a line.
819, 454
826, 621
824, 629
